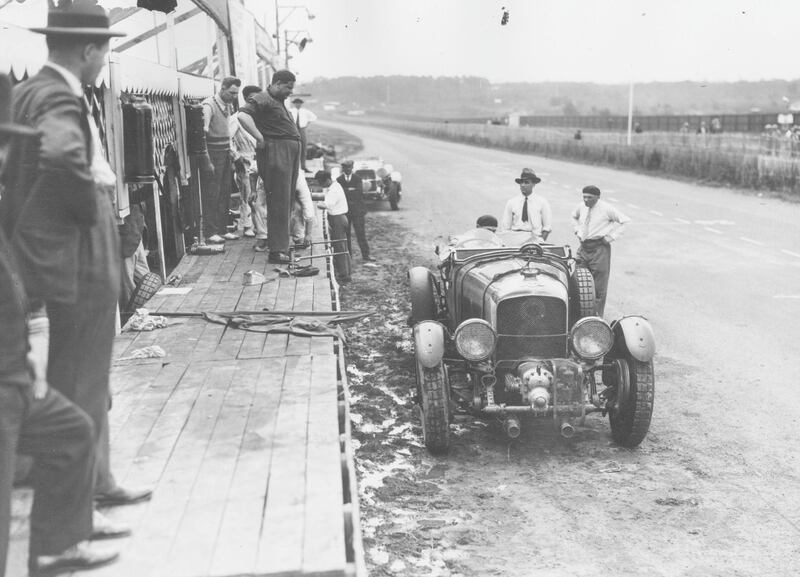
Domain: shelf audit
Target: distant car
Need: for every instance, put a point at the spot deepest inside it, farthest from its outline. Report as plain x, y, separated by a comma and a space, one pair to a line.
508, 331
367, 170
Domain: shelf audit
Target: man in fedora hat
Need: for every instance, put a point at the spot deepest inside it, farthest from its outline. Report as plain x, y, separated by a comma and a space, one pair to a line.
302, 118
38, 421
57, 211
527, 212
597, 224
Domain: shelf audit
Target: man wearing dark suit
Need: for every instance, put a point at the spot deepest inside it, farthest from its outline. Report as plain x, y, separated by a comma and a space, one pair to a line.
58, 215
354, 191
40, 422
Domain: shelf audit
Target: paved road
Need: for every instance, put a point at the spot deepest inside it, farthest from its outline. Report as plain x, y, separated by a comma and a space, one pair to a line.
718, 274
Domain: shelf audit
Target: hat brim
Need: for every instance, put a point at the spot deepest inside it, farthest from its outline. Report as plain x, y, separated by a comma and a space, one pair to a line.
534, 180
92, 32
17, 129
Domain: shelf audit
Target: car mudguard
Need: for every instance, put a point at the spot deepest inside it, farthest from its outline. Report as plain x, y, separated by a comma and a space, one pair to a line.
429, 343
633, 335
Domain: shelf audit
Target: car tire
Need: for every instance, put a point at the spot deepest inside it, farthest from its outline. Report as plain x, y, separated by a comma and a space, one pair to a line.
633, 406
423, 295
146, 288
581, 290
434, 407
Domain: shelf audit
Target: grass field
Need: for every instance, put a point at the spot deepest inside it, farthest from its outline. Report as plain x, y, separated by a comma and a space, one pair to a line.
727, 159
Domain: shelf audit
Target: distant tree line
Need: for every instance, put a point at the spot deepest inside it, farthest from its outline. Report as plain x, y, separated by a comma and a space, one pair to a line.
465, 96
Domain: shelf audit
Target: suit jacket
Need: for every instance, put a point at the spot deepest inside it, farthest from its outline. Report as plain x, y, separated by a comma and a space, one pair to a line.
354, 191
50, 200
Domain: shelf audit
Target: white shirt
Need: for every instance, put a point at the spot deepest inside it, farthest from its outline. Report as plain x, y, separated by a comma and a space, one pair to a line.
102, 172
306, 116
602, 220
335, 200
304, 197
539, 215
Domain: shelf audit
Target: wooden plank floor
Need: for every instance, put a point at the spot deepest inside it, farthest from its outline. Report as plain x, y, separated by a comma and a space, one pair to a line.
237, 432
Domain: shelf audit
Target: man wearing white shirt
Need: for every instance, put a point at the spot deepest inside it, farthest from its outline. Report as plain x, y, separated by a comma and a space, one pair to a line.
302, 118
336, 206
527, 212
597, 224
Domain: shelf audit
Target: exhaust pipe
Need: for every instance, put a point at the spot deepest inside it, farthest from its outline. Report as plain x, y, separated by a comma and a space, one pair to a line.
567, 430
511, 426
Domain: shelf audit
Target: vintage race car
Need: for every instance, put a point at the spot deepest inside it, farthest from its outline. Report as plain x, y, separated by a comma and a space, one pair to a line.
367, 169
507, 330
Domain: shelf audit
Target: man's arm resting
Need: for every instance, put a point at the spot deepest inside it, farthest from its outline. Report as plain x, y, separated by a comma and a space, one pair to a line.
247, 122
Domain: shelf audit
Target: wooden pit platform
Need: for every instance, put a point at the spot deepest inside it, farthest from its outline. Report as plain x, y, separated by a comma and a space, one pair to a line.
243, 436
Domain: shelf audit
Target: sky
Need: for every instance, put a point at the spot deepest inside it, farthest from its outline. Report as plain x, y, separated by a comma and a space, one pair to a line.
606, 41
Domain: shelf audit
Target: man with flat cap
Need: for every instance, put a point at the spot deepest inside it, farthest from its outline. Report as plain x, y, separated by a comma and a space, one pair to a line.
58, 215
38, 421
527, 212
354, 191
302, 118
597, 224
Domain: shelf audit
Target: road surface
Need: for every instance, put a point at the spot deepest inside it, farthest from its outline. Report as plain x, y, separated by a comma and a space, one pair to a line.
715, 488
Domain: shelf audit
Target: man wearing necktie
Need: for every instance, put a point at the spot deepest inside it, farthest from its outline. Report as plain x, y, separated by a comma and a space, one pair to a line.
302, 118
597, 224
527, 212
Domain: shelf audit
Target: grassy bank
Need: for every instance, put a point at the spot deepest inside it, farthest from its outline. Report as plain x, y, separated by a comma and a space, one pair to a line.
717, 165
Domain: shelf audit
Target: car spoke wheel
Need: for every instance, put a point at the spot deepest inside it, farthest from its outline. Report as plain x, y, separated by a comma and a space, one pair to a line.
582, 293
423, 297
633, 407
434, 407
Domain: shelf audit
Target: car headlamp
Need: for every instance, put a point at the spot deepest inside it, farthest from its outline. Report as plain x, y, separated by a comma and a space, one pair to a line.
591, 338
475, 339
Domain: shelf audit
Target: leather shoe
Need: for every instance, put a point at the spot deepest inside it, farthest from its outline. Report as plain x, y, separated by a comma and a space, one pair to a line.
120, 496
77, 558
261, 245
279, 258
105, 528
368, 259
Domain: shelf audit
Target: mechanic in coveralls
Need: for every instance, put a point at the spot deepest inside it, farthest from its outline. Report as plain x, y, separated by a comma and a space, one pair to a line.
597, 224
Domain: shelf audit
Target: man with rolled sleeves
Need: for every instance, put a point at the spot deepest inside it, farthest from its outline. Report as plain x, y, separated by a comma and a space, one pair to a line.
354, 191
267, 119
39, 422
597, 224
58, 215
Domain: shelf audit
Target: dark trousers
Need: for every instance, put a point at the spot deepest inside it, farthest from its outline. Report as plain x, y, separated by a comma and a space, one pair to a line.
58, 436
81, 341
596, 256
278, 165
356, 221
216, 193
338, 232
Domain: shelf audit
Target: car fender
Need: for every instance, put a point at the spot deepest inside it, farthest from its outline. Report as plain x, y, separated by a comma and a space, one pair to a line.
429, 343
634, 335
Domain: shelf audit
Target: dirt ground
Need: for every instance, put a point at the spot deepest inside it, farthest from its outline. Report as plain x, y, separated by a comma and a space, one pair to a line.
539, 505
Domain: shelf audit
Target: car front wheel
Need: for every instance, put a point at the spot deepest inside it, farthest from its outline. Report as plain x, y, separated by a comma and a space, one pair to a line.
632, 407
434, 407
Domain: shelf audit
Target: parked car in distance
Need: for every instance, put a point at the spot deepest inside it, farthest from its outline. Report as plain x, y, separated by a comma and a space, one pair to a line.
367, 170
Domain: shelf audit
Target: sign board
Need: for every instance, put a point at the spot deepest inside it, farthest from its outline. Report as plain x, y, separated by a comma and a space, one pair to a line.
244, 43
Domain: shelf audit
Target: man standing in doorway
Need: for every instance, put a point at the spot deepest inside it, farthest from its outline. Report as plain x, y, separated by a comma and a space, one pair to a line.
527, 212
354, 191
217, 181
278, 156
57, 212
597, 224
302, 118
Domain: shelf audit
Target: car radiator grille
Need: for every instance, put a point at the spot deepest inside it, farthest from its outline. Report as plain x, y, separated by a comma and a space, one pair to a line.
531, 326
